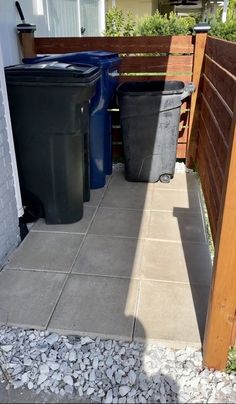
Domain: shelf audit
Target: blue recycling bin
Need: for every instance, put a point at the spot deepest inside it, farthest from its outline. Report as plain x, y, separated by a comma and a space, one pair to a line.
100, 117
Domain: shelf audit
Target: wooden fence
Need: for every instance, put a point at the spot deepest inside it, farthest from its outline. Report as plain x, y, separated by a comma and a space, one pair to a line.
207, 140
143, 58
216, 162
216, 114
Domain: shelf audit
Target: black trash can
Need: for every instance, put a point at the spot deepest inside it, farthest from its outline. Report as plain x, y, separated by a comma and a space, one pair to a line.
150, 116
49, 112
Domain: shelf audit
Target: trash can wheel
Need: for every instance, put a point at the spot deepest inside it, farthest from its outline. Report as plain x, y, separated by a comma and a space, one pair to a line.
165, 178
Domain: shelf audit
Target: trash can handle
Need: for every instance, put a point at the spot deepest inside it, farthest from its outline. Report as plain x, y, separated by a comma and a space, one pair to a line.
188, 90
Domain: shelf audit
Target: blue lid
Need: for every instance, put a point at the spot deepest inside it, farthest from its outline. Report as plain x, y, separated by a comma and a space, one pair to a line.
97, 58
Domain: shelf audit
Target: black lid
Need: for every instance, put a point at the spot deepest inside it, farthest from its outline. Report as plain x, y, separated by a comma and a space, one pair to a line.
52, 72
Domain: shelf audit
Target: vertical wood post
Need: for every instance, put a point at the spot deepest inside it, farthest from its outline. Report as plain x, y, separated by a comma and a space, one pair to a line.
222, 304
199, 52
27, 43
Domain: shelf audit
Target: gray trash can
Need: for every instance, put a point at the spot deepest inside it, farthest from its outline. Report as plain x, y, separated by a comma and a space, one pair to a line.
150, 116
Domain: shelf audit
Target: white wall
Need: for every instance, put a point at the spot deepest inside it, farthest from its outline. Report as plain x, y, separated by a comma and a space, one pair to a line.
10, 199
51, 17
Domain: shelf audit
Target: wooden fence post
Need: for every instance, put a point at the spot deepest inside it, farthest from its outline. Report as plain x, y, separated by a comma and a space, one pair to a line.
199, 52
26, 37
220, 325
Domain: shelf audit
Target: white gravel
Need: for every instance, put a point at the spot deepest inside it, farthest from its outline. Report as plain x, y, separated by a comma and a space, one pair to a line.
109, 371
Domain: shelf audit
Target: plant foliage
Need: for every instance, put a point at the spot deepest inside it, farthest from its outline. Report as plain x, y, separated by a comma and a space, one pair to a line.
231, 366
225, 30
159, 24
118, 23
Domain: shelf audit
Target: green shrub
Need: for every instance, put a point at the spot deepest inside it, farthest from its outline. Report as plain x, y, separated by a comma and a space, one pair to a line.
158, 24
231, 366
225, 30
119, 24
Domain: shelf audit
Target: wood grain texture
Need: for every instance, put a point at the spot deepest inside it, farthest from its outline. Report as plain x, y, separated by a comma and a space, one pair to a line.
149, 64
215, 134
147, 44
199, 51
218, 107
222, 304
222, 52
222, 80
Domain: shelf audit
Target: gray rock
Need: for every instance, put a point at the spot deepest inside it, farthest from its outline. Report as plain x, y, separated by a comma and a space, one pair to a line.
109, 373
6, 348
30, 385
44, 369
124, 390
95, 363
53, 365
132, 377
42, 377
86, 340
109, 397
92, 376
72, 356
132, 392
90, 391
109, 361
25, 378
68, 380
108, 345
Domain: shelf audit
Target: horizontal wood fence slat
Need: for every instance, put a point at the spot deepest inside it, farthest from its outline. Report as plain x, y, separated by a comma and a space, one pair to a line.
222, 53
222, 80
218, 108
149, 44
156, 64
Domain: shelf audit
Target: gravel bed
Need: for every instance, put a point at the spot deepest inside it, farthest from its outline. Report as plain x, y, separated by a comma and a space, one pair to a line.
109, 371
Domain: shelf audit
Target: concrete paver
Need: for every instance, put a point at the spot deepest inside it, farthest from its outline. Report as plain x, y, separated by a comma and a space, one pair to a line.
131, 195
91, 305
171, 311
27, 298
46, 251
176, 226
109, 256
187, 262
170, 199
120, 222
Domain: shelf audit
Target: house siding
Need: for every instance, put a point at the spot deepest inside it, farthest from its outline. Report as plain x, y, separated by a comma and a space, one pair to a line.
9, 229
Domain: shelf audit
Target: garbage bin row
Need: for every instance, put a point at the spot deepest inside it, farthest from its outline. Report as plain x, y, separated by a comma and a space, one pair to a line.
62, 129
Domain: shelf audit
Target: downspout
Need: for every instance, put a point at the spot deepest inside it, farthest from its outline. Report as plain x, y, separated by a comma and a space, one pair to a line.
20, 209
225, 8
79, 18
101, 17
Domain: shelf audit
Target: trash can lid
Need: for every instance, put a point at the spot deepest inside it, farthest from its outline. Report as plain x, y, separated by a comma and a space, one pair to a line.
98, 58
151, 88
53, 72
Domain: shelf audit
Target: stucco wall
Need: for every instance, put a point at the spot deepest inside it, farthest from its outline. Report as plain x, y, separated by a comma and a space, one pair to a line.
9, 229
136, 7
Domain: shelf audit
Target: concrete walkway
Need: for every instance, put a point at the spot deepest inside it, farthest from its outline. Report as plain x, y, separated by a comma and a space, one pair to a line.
137, 266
